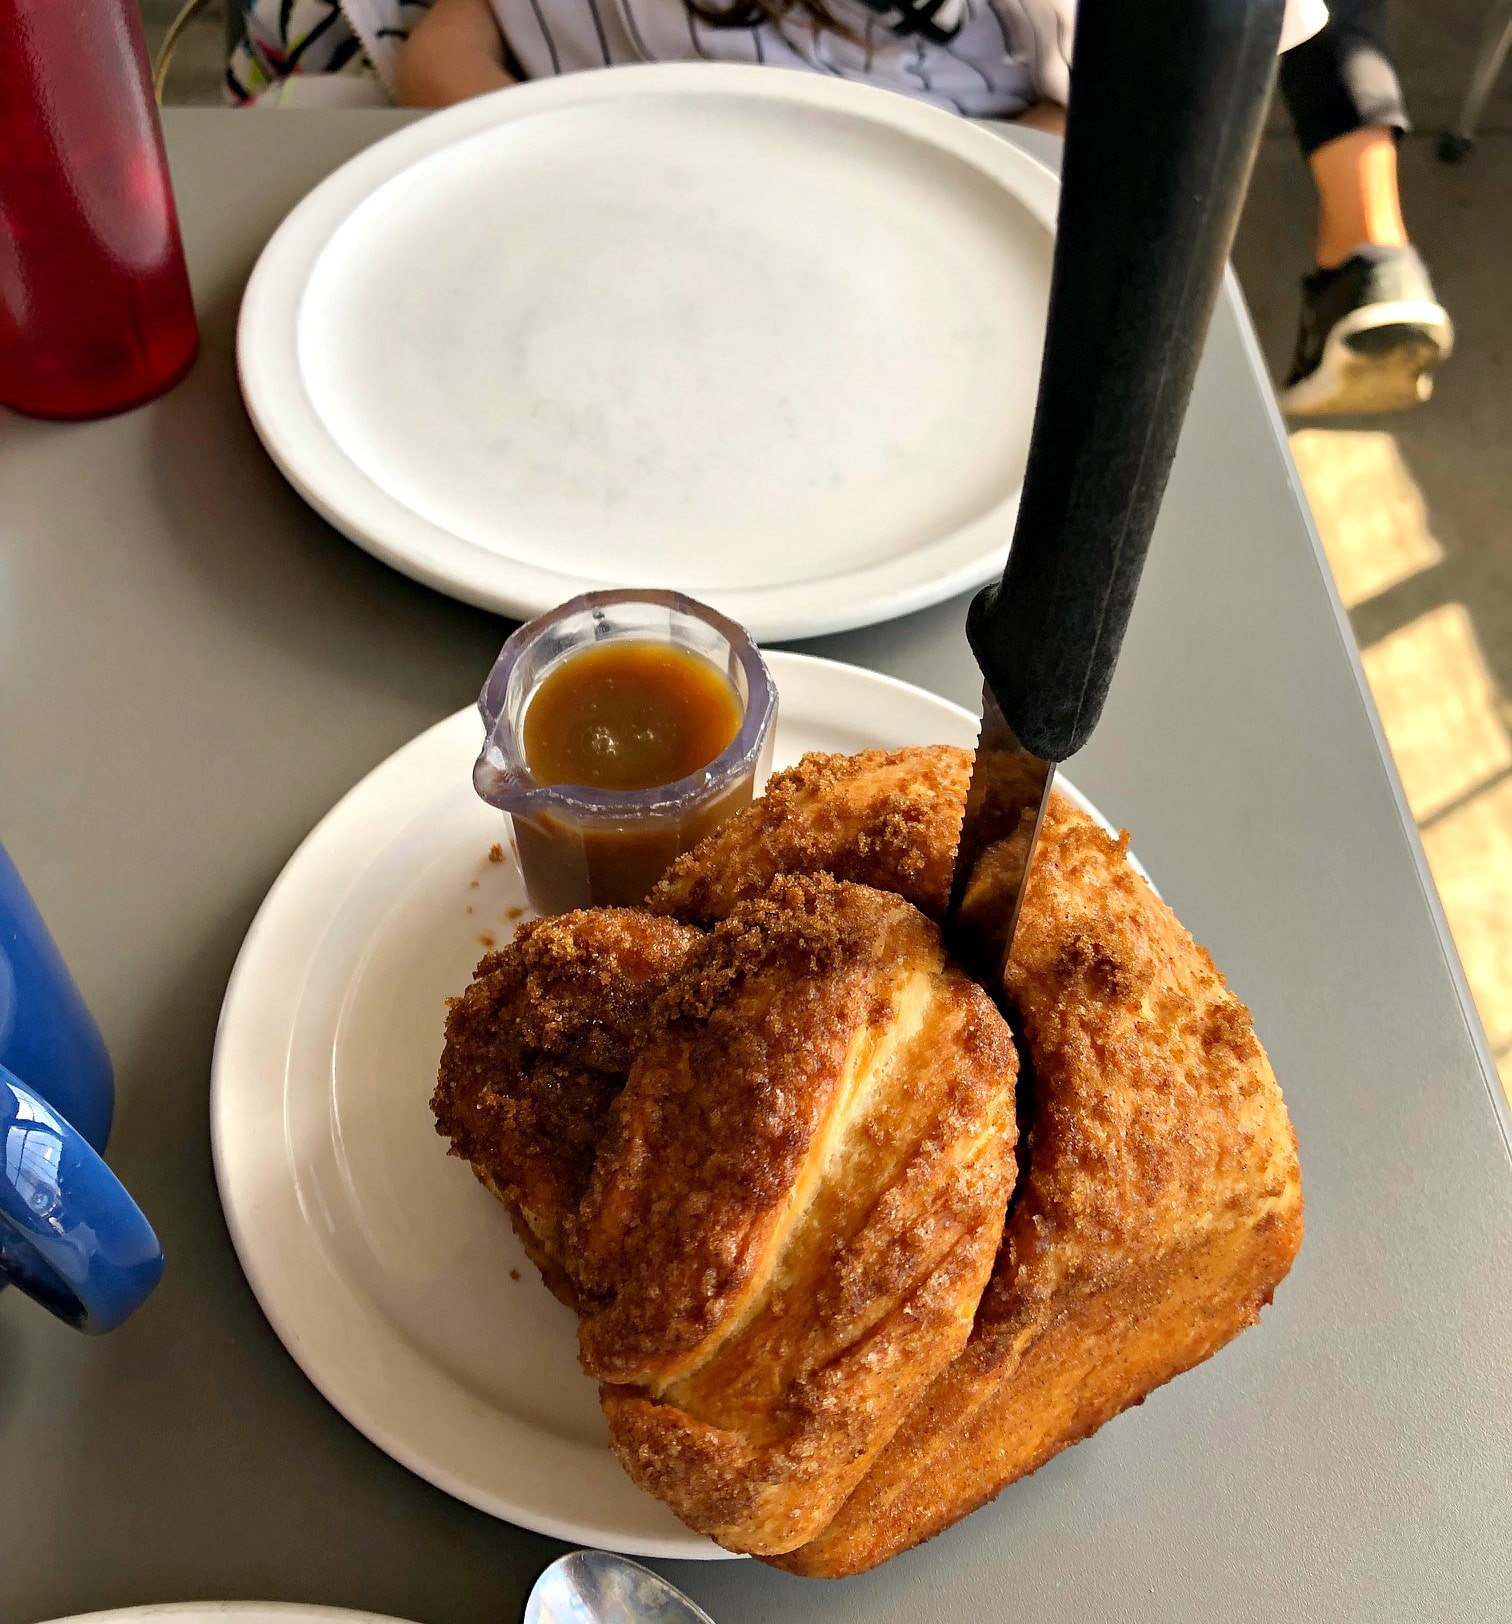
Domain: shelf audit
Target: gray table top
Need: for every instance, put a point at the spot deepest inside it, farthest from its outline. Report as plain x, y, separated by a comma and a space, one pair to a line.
193, 668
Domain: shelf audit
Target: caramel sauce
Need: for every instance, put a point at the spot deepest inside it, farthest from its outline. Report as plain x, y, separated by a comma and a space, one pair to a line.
567, 864
629, 716
622, 716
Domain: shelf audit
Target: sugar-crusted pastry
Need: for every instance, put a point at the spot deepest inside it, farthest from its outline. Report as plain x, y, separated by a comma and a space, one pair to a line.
769, 1163
536, 1048
1161, 1206
885, 818
795, 1208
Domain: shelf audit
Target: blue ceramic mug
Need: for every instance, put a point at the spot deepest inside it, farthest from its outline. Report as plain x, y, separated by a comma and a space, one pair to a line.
70, 1236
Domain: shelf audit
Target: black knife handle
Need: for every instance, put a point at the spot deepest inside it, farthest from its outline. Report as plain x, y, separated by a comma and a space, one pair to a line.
1167, 101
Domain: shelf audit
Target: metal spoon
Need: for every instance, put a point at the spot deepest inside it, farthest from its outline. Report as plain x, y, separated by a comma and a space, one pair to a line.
597, 1587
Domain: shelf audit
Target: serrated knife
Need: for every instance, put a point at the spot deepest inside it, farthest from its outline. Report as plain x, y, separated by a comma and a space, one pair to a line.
1167, 102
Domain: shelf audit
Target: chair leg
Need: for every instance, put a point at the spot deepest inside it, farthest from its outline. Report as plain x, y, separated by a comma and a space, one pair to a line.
1496, 39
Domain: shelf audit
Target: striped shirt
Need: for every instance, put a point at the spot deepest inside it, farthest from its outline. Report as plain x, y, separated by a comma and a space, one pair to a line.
1004, 55
983, 58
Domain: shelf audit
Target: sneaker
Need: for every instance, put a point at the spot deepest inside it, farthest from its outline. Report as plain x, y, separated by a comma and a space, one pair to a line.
1371, 334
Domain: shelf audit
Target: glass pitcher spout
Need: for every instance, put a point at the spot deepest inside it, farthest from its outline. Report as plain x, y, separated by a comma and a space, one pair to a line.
501, 783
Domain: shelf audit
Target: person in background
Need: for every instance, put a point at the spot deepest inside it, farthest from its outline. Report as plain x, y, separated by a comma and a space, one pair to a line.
1372, 329
330, 53
1007, 59
1003, 59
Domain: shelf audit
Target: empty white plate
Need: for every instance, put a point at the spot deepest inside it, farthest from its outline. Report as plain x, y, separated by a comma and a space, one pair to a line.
391, 1275
766, 337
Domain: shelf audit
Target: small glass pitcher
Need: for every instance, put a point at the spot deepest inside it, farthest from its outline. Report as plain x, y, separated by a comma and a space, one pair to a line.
579, 846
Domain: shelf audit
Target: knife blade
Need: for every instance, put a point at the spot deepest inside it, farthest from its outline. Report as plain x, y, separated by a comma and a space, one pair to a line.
1005, 806
1167, 103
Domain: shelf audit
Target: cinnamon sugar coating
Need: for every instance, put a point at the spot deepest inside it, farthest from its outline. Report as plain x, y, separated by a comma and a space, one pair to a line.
1161, 1206
769, 1161
884, 818
536, 1049
795, 1208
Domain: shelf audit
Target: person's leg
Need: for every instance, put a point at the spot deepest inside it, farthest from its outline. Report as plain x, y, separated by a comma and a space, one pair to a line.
1346, 104
1358, 199
1371, 329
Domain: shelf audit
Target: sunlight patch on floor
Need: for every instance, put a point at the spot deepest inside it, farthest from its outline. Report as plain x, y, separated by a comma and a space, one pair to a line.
1444, 717
1371, 516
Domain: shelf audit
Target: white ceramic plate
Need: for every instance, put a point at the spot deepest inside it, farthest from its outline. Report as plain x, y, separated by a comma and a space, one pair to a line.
390, 1274
227, 1612
767, 337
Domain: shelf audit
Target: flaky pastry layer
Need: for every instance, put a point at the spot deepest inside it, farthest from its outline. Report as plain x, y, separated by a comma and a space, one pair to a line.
537, 1047
883, 818
796, 1207
769, 1164
1161, 1206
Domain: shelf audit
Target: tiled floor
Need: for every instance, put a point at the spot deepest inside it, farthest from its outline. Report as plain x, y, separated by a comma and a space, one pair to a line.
1415, 512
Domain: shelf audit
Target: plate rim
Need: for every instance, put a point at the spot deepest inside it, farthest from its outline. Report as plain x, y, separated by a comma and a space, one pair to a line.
271, 1259
287, 1612
242, 1611
295, 437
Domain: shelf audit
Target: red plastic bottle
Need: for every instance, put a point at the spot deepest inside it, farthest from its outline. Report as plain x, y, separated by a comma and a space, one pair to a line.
95, 311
